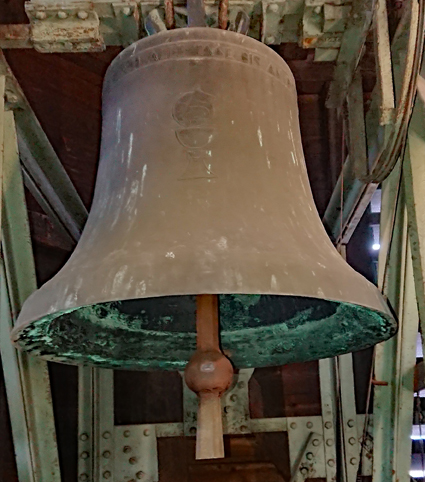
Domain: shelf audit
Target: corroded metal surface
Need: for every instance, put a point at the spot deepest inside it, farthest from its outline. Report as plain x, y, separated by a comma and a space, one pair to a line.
202, 188
160, 333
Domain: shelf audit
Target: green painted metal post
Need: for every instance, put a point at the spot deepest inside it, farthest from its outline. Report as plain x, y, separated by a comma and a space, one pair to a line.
396, 358
27, 382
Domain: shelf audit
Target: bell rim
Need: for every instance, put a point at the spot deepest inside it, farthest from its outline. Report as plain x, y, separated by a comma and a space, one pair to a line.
276, 331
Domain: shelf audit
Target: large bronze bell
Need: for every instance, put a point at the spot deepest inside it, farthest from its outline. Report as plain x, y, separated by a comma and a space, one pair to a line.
202, 189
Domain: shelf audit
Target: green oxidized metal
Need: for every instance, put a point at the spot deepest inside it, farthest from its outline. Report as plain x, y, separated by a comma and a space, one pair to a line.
160, 333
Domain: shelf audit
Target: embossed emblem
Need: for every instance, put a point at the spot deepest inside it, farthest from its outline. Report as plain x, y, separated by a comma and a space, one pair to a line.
194, 112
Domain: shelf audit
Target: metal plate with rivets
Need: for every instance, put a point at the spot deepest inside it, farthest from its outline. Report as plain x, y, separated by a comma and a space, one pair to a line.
136, 456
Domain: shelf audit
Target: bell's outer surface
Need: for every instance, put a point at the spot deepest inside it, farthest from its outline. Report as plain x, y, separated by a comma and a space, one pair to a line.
202, 188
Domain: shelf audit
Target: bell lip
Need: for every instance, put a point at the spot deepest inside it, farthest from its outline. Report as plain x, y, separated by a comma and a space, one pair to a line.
385, 314
194, 33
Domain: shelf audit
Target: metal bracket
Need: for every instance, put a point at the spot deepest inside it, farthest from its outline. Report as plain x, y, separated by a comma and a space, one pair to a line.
62, 28
82, 26
305, 435
136, 456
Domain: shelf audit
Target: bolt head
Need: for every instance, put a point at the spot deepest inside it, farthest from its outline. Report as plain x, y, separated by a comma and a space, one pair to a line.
83, 477
84, 455
331, 463
62, 15
106, 435
316, 442
273, 7
107, 474
126, 449
40, 15
132, 460
126, 11
309, 424
84, 437
127, 433
140, 474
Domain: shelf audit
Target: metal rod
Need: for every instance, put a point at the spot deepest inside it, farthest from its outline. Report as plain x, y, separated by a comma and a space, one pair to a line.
170, 22
223, 14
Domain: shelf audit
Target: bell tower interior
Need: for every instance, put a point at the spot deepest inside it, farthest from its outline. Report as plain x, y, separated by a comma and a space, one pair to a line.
212, 241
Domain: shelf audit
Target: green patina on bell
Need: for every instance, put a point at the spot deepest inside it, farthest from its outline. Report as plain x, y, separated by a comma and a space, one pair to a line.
202, 189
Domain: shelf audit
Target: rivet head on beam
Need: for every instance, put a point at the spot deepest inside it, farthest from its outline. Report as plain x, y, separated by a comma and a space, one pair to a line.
304, 470
140, 474
127, 433
309, 456
106, 454
293, 425
350, 423
84, 477
270, 39
84, 455
126, 449
351, 440
328, 425
62, 15
309, 424
132, 460
316, 442
273, 7
146, 432
317, 9
353, 461
331, 463
126, 11
82, 15
40, 15
84, 436
192, 430
329, 442
106, 435
107, 474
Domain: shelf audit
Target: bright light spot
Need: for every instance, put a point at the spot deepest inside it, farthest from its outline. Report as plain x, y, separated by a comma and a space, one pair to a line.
376, 246
417, 473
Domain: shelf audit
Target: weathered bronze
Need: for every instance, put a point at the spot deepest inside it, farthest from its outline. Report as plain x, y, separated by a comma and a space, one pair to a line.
202, 189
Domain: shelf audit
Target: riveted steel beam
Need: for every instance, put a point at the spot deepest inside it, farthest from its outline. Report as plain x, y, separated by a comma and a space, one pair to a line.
27, 378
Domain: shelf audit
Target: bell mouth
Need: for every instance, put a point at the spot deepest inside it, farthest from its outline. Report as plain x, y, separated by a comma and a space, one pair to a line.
160, 333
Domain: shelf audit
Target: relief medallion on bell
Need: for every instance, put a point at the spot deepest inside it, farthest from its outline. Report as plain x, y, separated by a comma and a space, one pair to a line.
194, 112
